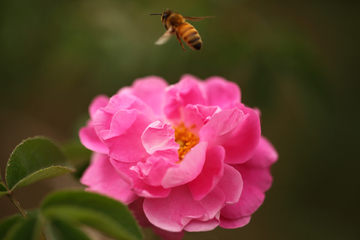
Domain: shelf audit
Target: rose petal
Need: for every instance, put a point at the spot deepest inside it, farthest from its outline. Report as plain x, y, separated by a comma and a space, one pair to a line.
234, 223
137, 208
256, 181
151, 90
188, 169
177, 96
221, 92
99, 102
201, 226
101, 121
207, 111
121, 122
250, 200
243, 144
91, 140
174, 212
212, 203
159, 139
124, 137
257, 177
196, 116
103, 117
168, 213
210, 175
127, 101
231, 184
153, 170
264, 156
221, 127
101, 177
129, 175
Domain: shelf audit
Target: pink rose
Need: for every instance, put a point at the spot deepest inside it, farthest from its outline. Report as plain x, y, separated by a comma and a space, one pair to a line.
188, 156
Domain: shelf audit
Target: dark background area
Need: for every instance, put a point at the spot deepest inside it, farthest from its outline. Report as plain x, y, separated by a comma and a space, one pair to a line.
297, 61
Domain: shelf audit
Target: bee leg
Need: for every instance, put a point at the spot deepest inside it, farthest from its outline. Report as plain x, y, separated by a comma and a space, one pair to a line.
178, 38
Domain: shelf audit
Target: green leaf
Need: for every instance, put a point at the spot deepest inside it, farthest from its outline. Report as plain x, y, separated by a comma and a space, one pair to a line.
8, 223
61, 230
97, 211
33, 160
27, 229
3, 190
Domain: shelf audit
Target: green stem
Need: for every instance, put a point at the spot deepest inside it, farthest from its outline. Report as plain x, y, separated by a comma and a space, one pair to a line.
21, 210
17, 204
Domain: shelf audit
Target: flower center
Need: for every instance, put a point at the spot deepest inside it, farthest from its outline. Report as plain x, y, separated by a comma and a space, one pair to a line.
186, 139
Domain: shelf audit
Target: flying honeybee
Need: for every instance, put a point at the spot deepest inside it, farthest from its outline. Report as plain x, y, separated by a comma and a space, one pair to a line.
176, 24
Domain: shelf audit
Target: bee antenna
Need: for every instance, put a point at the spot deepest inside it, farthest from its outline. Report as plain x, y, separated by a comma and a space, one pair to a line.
155, 14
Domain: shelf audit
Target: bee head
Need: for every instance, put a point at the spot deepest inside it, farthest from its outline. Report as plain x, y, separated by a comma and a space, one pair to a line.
165, 15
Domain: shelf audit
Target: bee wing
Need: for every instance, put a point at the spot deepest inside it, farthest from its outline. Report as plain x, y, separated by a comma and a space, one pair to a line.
165, 37
197, 19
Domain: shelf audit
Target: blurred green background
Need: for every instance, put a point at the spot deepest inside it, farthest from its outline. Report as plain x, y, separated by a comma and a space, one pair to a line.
298, 61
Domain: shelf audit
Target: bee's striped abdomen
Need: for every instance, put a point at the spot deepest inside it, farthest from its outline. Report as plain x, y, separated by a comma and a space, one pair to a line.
189, 34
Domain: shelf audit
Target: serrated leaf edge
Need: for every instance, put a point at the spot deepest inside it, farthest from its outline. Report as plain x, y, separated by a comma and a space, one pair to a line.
30, 138
27, 177
8, 162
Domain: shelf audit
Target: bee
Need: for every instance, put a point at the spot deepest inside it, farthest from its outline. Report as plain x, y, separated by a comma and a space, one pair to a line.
175, 24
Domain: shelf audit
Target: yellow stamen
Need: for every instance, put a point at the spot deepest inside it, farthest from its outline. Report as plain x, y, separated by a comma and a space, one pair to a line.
185, 139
